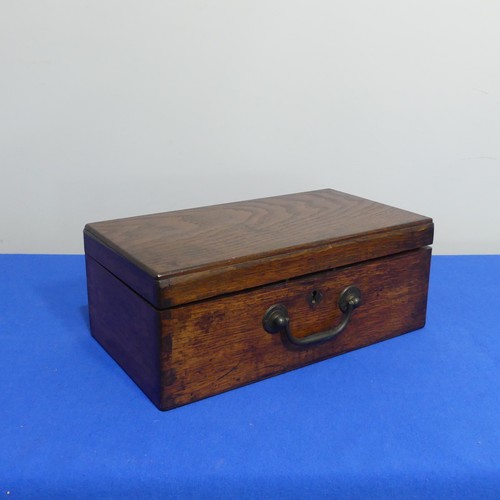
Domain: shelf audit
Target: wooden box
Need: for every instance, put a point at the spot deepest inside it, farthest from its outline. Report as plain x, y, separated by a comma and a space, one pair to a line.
196, 302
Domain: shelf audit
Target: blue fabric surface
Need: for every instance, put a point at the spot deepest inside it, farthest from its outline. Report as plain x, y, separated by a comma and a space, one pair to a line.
413, 417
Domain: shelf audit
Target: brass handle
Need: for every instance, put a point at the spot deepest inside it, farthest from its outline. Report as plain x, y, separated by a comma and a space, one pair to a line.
276, 319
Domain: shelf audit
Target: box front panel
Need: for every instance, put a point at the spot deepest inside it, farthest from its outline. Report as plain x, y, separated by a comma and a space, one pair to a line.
216, 345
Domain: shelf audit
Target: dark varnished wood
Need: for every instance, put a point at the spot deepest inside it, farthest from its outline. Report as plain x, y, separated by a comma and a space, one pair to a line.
135, 277
126, 326
179, 257
177, 299
219, 344
204, 284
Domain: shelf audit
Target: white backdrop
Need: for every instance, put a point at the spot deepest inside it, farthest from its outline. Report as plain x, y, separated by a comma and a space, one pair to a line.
115, 108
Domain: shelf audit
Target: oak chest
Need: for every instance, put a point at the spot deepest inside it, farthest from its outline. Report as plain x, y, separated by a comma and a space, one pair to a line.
195, 302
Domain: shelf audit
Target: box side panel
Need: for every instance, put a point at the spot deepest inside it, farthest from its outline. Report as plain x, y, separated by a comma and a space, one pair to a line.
126, 269
220, 344
126, 326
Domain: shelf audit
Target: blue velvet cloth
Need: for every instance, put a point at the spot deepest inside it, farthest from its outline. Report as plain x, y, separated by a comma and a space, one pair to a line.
413, 417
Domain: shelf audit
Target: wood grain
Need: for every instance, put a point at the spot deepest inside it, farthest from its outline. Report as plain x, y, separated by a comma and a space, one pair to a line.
126, 326
194, 286
219, 344
178, 298
183, 256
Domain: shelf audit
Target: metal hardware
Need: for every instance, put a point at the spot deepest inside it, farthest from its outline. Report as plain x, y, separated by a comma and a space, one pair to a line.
277, 319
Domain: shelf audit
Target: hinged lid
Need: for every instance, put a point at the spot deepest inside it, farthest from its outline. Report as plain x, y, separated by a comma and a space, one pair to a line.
178, 257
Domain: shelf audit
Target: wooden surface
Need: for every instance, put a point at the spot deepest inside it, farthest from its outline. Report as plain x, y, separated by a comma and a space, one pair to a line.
219, 344
126, 326
188, 255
